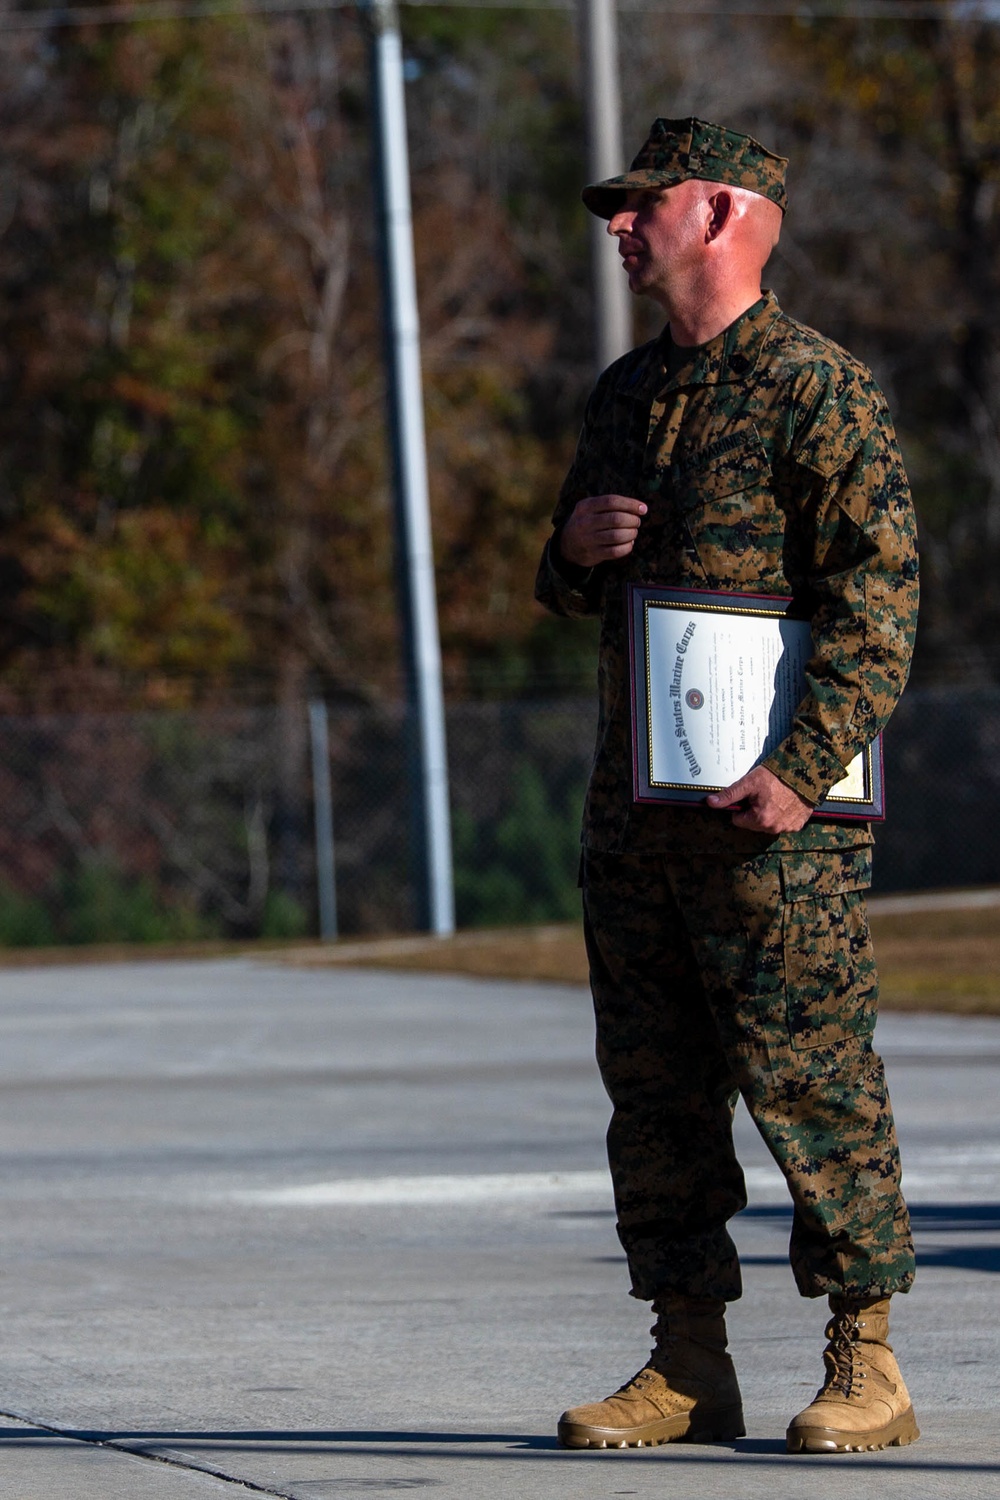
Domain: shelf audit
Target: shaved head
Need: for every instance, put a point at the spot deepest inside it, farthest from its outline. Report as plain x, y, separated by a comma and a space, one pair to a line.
755, 220
760, 218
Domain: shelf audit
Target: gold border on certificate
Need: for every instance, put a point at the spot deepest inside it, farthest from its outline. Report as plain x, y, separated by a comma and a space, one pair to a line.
716, 682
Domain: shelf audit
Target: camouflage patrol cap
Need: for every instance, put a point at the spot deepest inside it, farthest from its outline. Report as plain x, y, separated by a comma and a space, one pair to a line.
676, 150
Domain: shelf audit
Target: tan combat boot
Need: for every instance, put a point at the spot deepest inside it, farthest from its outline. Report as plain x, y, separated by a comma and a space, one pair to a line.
687, 1390
863, 1402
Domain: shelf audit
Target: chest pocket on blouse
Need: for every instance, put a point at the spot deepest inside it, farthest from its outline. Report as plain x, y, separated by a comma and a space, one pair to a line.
723, 492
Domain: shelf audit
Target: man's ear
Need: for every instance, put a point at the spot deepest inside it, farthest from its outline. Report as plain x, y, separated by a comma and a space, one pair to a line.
721, 209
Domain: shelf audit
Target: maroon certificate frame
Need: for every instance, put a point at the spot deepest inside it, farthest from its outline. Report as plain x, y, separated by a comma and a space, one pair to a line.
716, 680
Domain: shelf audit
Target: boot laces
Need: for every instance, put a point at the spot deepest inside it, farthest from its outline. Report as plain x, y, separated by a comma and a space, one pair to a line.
664, 1343
636, 1384
846, 1371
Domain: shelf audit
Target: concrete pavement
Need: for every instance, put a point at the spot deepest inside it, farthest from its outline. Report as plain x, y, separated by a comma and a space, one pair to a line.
322, 1234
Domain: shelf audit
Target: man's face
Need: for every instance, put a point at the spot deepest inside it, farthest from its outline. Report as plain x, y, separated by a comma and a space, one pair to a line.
661, 237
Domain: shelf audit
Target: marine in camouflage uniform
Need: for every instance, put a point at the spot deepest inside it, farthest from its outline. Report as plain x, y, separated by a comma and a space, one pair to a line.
726, 961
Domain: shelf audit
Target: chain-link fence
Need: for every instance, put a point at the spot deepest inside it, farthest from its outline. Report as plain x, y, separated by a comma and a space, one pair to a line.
146, 826
942, 760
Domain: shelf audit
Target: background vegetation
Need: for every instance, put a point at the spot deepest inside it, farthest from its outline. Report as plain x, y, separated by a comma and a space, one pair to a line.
193, 486
192, 475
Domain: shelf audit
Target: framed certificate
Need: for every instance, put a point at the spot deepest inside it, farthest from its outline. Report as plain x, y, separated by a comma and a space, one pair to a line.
717, 679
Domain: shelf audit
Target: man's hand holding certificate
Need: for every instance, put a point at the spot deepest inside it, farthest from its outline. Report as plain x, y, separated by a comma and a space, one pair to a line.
762, 802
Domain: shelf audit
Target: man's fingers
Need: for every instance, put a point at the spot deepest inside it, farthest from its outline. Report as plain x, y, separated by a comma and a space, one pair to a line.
602, 528
611, 525
762, 803
621, 508
745, 817
625, 503
729, 796
614, 536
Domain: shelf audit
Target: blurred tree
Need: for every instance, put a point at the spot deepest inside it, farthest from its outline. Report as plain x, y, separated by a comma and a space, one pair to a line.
191, 452
902, 229
192, 386
494, 120
192, 477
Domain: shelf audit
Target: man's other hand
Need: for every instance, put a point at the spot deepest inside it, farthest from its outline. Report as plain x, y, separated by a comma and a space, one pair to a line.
763, 803
601, 529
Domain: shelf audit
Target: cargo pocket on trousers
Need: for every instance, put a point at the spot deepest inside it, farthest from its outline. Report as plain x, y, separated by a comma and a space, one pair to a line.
831, 985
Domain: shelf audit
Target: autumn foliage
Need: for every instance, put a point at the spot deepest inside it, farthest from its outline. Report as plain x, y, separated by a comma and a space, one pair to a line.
193, 478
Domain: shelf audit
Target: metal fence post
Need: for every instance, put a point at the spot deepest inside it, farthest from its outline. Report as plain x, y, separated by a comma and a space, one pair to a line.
326, 884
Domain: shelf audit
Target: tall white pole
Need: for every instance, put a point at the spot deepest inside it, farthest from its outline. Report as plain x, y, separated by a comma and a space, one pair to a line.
603, 112
406, 421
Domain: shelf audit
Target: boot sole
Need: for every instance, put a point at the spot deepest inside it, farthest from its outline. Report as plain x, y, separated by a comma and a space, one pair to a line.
896, 1434
691, 1427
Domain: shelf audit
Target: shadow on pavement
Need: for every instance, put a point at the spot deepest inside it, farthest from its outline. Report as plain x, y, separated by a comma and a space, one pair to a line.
928, 1219
756, 1451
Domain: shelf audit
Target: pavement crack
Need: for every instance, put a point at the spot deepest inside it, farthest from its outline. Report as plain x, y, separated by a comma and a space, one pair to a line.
117, 1445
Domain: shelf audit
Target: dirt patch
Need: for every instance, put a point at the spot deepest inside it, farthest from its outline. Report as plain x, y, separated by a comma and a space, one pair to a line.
549, 954
928, 960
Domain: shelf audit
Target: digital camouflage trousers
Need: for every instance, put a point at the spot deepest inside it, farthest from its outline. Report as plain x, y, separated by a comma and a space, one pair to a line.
715, 977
